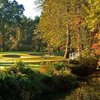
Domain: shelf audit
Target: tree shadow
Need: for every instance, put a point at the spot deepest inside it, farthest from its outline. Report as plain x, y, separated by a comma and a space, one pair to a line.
22, 83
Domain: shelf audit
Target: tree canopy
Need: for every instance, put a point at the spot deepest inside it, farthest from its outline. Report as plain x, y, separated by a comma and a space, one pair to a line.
69, 22
16, 30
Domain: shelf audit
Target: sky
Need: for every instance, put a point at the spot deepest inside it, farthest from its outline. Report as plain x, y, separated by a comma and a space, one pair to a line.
30, 8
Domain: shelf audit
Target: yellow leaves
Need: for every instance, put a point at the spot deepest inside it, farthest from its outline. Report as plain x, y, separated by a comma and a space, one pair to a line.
58, 14
92, 18
54, 21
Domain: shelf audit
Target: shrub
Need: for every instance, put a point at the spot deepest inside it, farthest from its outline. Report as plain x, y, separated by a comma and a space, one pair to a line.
85, 92
86, 66
56, 83
22, 83
74, 61
59, 65
90, 61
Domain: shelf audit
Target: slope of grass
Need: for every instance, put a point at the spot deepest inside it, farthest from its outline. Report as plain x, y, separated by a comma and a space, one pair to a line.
32, 59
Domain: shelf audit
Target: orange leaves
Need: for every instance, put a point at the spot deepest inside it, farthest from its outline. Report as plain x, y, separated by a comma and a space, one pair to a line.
96, 46
44, 69
97, 36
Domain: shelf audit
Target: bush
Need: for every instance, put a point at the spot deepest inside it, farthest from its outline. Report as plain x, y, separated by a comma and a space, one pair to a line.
86, 66
85, 92
59, 65
74, 61
60, 83
90, 62
22, 83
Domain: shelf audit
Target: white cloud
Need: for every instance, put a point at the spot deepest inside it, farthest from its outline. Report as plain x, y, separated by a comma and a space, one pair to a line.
30, 8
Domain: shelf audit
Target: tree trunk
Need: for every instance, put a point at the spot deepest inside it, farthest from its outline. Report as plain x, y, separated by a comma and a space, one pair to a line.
81, 46
67, 51
91, 41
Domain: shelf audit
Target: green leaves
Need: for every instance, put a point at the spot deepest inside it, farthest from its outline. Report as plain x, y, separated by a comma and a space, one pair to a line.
10, 15
92, 18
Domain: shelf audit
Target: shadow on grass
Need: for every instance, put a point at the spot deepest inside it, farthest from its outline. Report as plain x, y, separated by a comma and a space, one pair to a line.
22, 83
11, 56
46, 53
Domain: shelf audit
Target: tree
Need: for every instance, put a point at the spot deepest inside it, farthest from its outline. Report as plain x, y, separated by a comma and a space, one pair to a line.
59, 22
71, 22
10, 15
22, 38
92, 19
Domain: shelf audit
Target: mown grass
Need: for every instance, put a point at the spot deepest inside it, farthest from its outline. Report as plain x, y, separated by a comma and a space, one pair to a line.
33, 53
8, 56
32, 59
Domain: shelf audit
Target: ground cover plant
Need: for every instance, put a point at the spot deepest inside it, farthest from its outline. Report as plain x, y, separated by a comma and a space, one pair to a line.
20, 82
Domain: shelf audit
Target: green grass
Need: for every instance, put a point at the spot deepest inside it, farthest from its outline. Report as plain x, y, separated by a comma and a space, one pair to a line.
33, 59
33, 53
19, 52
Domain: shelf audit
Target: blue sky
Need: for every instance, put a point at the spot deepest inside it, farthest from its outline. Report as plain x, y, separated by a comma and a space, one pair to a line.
30, 8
